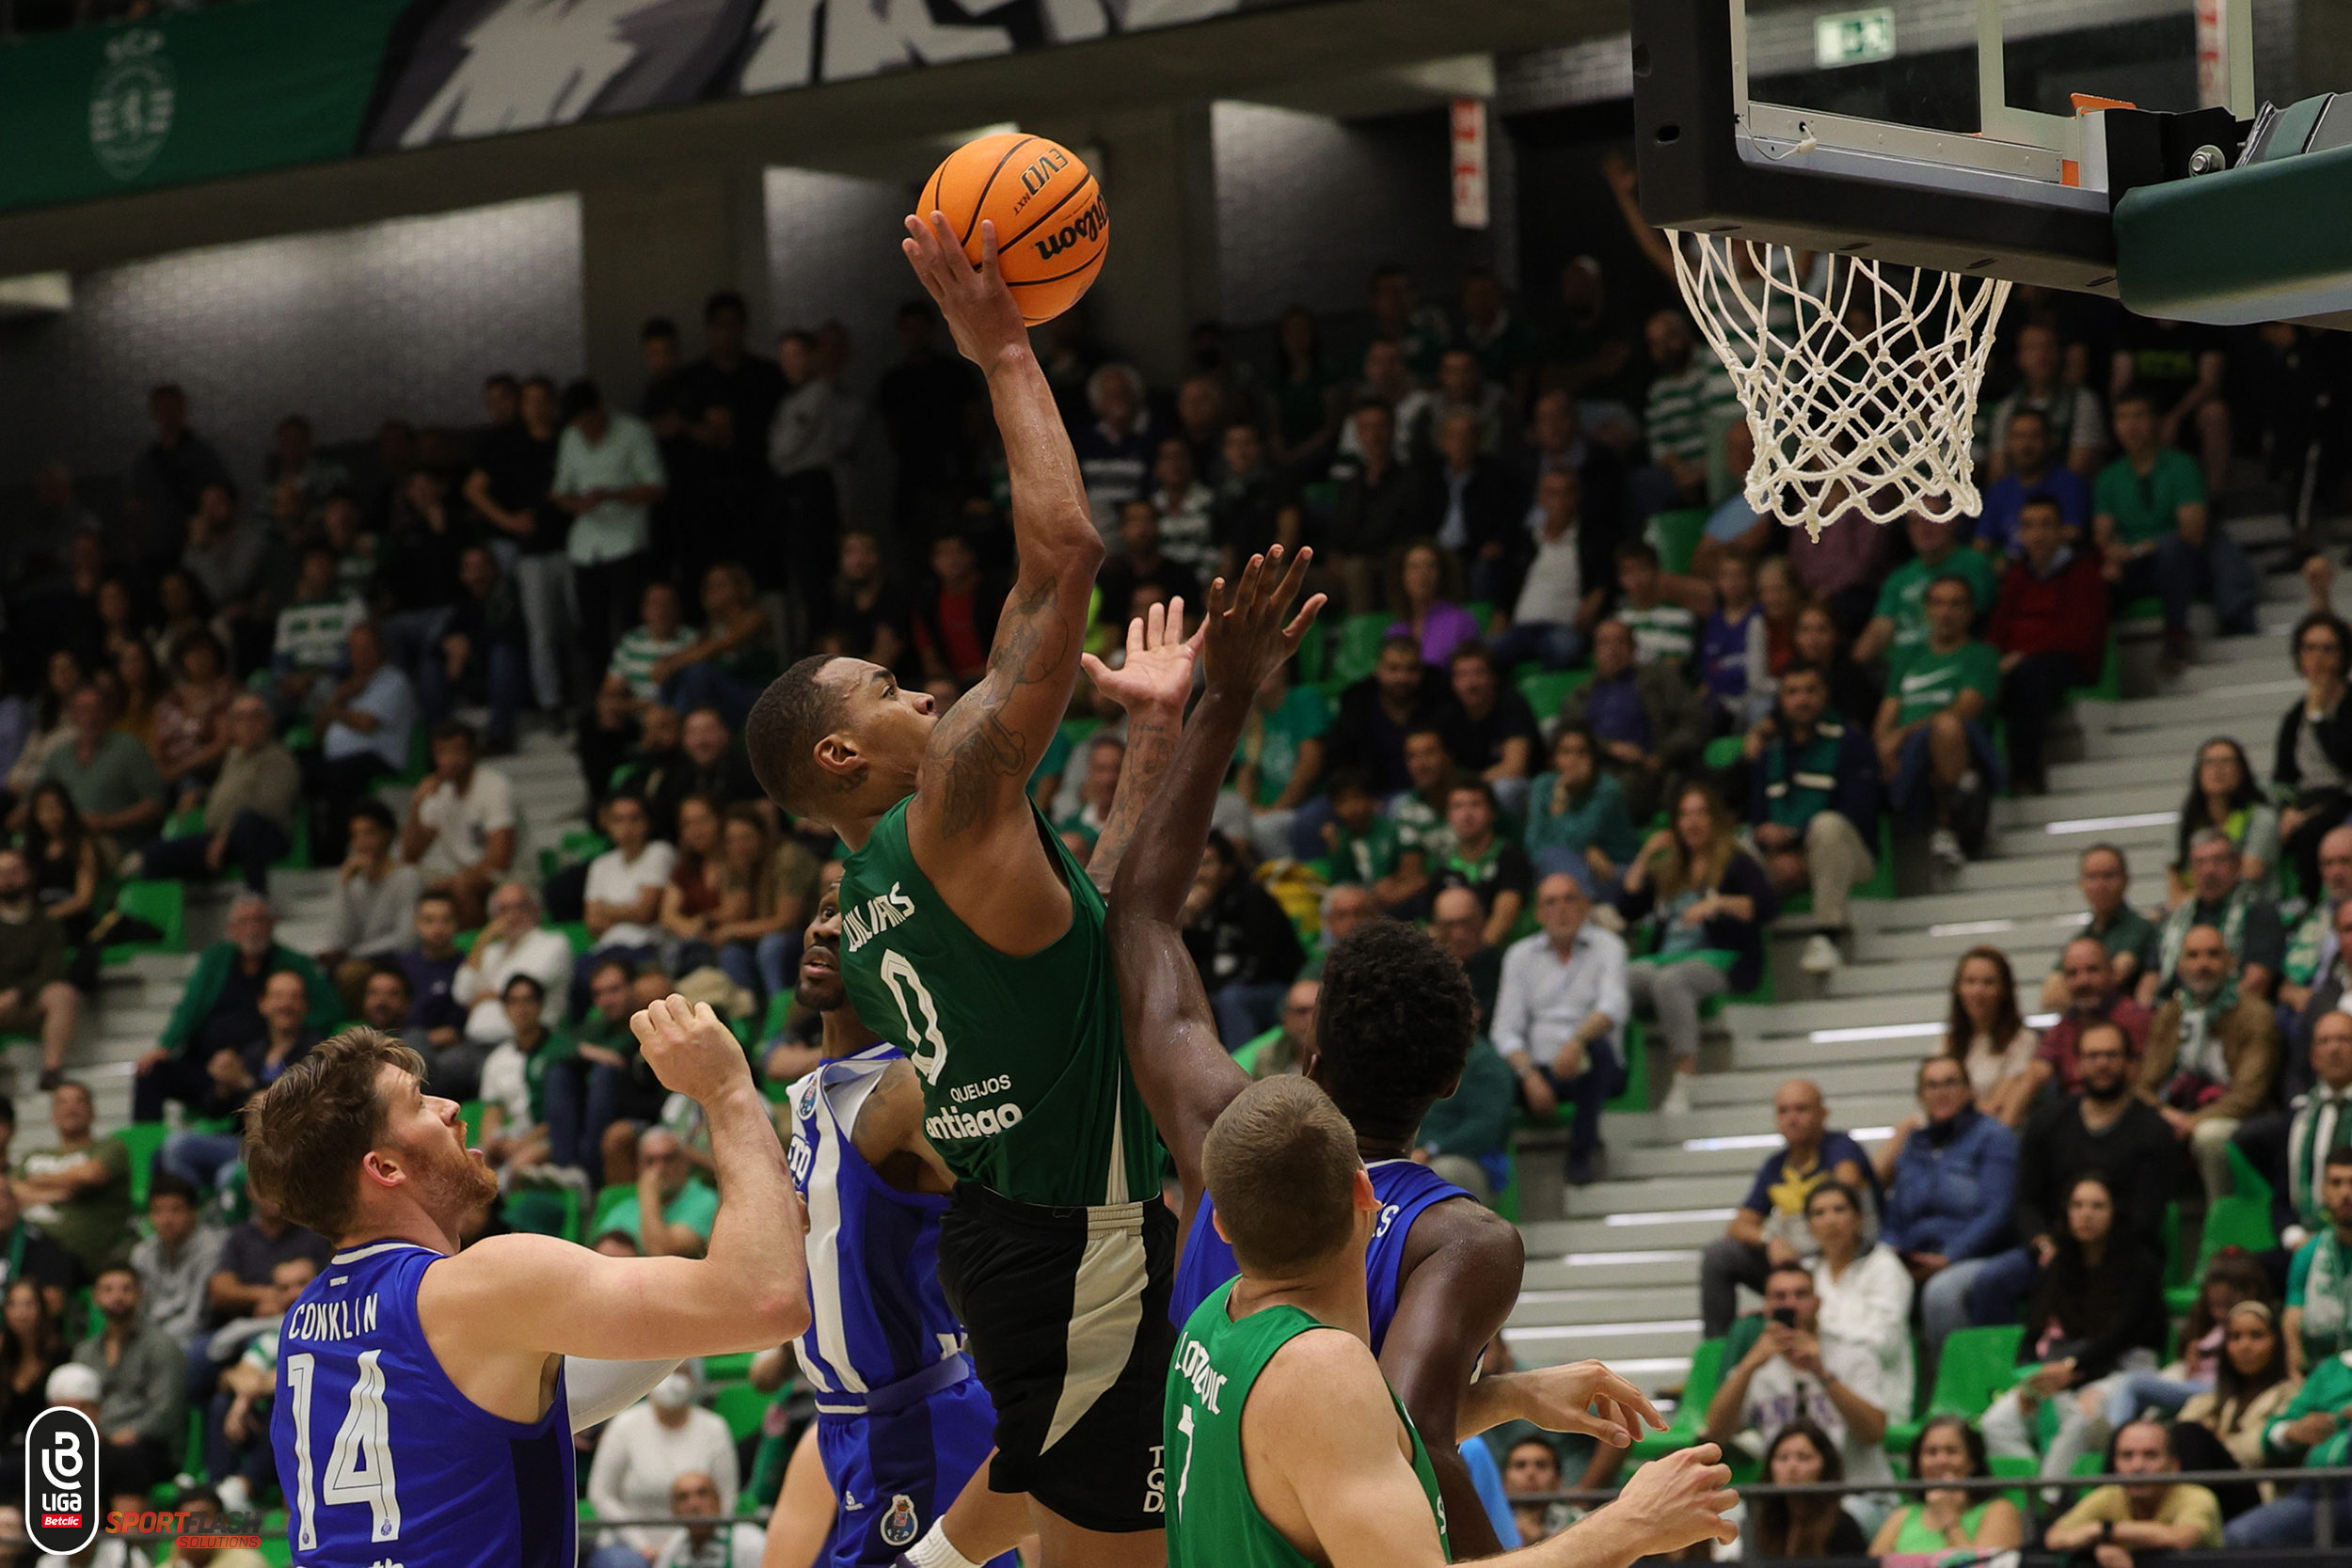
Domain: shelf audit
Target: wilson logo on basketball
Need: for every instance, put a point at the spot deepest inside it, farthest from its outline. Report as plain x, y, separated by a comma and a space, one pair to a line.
1085, 225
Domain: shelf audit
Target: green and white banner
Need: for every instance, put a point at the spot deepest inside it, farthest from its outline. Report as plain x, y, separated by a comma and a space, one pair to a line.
240, 88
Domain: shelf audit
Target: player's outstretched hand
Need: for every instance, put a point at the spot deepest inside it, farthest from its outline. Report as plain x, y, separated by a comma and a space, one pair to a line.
1246, 633
1679, 1500
1586, 1397
1158, 668
690, 1049
979, 309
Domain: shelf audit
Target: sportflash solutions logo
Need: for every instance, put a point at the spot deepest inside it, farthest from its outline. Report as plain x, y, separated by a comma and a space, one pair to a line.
61, 1481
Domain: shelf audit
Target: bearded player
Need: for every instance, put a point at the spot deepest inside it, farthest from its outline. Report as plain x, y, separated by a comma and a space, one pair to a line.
901, 1421
973, 940
421, 1413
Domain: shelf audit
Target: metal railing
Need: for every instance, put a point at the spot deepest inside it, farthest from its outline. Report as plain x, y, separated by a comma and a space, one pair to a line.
2327, 1479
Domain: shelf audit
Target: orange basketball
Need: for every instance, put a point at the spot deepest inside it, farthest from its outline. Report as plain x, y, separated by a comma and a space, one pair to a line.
1052, 231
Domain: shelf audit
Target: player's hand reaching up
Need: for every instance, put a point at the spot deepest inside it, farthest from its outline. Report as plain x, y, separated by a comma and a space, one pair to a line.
979, 309
1158, 668
1247, 633
690, 1049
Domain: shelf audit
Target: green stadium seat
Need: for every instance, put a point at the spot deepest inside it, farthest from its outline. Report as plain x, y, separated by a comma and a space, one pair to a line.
141, 1139
734, 1365
162, 904
1690, 1417
741, 1406
1675, 536
1978, 1365
1483, 611
2240, 1219
1723, 751
1360, 646
608, 1199
1635, 1094
576, 931
1544, 692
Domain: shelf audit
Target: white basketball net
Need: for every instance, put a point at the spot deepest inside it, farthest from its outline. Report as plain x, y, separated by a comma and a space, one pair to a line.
1860, 389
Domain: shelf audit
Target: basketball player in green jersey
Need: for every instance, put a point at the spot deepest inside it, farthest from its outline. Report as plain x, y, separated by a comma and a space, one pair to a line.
1285, 1447
973, 939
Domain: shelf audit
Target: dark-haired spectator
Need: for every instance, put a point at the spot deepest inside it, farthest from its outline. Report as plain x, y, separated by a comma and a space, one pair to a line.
1257, 505
385, 999
2221, 898
1933, 747
2178, 367
341, 526
1814, 637
1364, 848
1377, 508
1951, 1175
1142, 563
36, 997
1568, 563
1710, 903
2223, 795
767, 892
618, 1088
1504, 346
176, 1258
1489, 731
531, 1116
1418, 332
1484, 860
865, 613
813, 429
661, 631
482, 651
608, 476
79, 1190
2073, 431
1115, 450
2122, 1524
1425, 594
375, 903
110, 777
1690, 398
2097, 1310
47, 1266
1813, 805
423, 543
2212, 1055
2033, 474
65, 866
1734, 662
142, 1373
2312, 766
191, 734
2104, 1131
1842, 570
1241, 942
1649, 722
725, 403
1306, 394
1577, 821
1376, 713
2252, 1384
735, 658
249, 811
235, 1077
625, 885
1664, 628
2086, 987
167, 476
249, 1255
1421, 813
706, 761
2051, 628
228, 556
1900, 620
1472, 504
1799, 1369
1985, 1032
2318, 1317
1802, 1454
460, 829
1863, 1286
363, 728
1184, 503
1557, 442
2103, 876
511, 488
431, 965
2158, 534
1530, 1469
1948, 1449
1279, 765
1559, 1012
309, 641
954, 616
2312, 945
1098, 785
219, 1010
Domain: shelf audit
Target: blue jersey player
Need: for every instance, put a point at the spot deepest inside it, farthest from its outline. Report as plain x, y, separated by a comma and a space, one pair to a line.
1394, 1024
902, 1421
423, 1415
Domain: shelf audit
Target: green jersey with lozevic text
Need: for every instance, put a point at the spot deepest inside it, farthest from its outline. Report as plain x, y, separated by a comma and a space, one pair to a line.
1025, 1088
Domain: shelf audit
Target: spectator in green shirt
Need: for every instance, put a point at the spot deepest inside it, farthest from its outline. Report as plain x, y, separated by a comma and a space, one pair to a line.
2156, 533
80, 1191
683, 1208
110, 777
1281, 760
1931, 738
1901, 618
1366, 848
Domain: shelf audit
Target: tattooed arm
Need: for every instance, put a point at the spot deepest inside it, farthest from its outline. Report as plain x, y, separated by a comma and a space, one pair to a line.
970, 823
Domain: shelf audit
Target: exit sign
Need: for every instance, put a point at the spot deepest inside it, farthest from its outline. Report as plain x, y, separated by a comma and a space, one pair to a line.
1854, 38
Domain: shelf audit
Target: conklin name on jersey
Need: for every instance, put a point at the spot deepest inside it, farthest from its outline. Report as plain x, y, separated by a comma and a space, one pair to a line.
1024, 1068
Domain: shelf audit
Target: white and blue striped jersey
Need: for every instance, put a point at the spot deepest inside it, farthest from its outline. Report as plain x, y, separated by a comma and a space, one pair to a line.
383, 1460
876, 1313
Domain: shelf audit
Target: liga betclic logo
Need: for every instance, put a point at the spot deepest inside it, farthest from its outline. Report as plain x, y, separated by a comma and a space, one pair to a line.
61, 1481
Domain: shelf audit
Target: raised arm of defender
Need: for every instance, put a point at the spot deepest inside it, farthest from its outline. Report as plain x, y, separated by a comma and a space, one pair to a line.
970, 804
1184, 1072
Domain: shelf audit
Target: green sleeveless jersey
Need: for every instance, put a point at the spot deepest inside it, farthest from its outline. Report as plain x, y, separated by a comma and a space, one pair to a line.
1026, 1089
1212, 1520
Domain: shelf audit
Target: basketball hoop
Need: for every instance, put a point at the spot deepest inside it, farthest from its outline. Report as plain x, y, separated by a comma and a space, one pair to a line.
1860, 386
